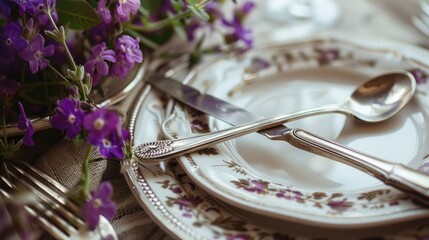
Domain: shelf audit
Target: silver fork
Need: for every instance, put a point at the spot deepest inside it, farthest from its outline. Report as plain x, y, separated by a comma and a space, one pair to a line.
55, 212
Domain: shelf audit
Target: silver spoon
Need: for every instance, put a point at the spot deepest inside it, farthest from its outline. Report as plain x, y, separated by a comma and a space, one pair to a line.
376, 100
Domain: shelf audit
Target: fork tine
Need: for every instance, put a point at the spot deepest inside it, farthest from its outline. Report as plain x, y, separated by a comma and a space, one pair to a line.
59, 198
55, 201
44, 222
42, 175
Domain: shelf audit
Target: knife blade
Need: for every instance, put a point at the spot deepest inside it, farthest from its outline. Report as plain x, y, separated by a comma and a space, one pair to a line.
399, 176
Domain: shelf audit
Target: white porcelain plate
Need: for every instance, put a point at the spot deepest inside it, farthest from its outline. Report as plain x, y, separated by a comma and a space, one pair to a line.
275, 179
269, 190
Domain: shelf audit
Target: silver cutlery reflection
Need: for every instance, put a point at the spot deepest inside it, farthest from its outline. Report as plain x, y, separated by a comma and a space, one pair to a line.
376, 100
406, 179
54, 211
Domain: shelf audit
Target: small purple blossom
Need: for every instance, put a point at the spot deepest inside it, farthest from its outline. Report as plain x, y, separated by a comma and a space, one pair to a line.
104, 12
36, 52
176, 189
213, 9
125, 8
11, 42
25, 124
99, 204
246, 8
187, 203
128, 53
101, 124
8, 88
96, 65
129, 49
191, 29
99, 33
237, 32
340, 205
68, 116
257, 186
420, 76
327, 56
112, 146
289, 194
238, 236
37, 9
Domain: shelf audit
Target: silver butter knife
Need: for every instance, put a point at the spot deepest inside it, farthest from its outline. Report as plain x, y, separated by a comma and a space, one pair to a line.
399, 176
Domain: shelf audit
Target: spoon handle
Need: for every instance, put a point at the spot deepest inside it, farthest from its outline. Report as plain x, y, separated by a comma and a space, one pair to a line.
401, 177
164, 149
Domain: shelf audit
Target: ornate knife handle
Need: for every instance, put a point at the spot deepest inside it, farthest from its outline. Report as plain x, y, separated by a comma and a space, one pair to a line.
406, 179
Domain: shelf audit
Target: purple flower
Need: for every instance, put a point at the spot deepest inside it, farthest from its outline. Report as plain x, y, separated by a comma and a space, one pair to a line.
112, 146
289, 194
129, 49
25, 124
96, 65
340, 205
187, 203
99, 204
191, 29
8, 88
213, 9
11, 42
419, 75
327, 56
257, 186
101, 124
238, 236
124, 9
246, 8
104, 12
128, 53
238, 32
176, 189
36, 52
68, 116
37, 7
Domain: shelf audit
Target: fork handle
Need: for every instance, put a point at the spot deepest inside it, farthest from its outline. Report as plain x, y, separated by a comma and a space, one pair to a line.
401, 177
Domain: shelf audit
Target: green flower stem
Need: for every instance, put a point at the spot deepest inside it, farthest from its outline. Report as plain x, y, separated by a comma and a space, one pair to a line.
165, 22
69, 55
59, 74
63, 40
143, 39
85, 179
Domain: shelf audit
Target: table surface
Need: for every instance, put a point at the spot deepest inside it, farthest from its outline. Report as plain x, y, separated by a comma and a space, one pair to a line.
375, 18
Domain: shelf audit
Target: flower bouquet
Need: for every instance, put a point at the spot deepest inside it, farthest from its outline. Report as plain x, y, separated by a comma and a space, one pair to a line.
56, 57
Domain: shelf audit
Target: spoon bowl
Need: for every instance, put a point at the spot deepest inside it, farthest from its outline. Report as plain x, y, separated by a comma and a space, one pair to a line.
381, 97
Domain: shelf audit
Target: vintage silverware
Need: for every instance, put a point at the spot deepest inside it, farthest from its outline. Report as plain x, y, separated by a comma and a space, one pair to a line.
54, 211
414, 183
376, 100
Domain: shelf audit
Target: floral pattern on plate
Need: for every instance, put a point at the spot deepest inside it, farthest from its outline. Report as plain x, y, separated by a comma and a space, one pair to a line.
165, 190
238, 79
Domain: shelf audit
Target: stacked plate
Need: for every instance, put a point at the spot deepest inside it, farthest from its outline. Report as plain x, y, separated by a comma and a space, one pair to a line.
254, 188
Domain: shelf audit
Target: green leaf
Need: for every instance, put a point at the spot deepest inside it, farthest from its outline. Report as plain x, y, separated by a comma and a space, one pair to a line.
79, 14
199, 13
